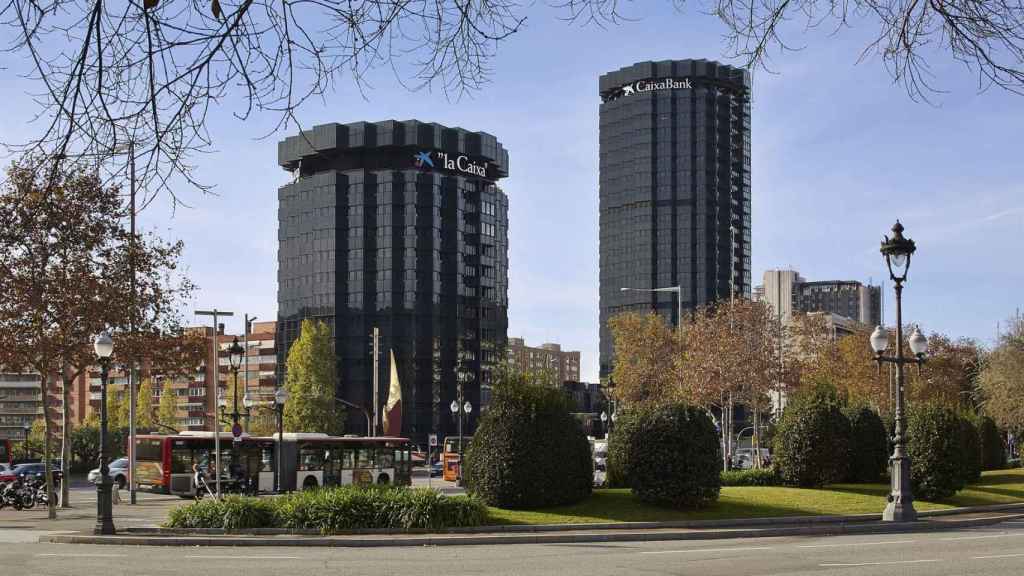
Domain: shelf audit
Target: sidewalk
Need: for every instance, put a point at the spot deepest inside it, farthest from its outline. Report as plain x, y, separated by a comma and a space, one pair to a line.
561, 533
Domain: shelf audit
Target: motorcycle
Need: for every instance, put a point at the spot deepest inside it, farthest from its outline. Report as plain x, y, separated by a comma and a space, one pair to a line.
11, 496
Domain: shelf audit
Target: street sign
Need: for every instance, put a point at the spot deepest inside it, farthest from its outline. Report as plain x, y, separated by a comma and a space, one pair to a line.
433, 440
236, 430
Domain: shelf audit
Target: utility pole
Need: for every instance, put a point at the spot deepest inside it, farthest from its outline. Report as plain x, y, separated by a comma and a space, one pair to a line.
215, 363
248, 328
376, 379
132, 409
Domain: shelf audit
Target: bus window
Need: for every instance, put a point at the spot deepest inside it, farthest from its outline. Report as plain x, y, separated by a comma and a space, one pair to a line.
387, 458
311, 458
365, 458
181, 460
348, 458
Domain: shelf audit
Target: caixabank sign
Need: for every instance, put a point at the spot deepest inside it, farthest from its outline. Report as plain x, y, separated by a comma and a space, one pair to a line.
458, 163
641, 86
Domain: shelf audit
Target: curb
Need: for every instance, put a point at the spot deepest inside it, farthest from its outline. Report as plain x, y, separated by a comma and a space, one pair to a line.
818, 529
540, 528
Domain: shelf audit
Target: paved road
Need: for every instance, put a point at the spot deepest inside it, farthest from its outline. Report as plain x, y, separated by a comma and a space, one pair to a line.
991, 551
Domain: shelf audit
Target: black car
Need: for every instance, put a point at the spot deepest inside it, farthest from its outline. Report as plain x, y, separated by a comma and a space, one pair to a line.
35, 471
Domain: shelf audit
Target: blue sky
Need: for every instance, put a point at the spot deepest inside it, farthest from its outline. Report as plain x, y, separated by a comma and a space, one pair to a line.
839, 152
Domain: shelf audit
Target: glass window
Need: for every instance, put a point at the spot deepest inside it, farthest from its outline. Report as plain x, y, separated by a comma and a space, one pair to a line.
365, 458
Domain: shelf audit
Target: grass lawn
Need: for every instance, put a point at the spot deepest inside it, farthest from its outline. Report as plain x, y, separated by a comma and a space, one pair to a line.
619, 505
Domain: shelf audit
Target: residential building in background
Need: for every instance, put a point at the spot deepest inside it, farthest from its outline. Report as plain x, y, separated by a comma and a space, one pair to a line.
674, 188
548, 357
20, 405
399, 226
787, 292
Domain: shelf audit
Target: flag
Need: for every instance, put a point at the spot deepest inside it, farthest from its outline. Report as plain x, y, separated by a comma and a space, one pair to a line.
393, 408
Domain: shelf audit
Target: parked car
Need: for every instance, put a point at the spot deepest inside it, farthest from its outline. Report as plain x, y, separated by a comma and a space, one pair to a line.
5, 468
118, 473
600, 474
436, 469
35, 471
744, 458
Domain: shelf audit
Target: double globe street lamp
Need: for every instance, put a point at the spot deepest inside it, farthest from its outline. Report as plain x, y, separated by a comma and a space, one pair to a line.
103, 345
280, 398
235, 354
897, 251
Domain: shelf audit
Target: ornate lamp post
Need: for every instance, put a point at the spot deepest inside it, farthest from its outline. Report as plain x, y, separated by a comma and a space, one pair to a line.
280, 398
103, 345
460, 407
235, 353
897, 251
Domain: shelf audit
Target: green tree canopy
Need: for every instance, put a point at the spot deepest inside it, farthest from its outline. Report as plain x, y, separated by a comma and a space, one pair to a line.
167, 411
310, 381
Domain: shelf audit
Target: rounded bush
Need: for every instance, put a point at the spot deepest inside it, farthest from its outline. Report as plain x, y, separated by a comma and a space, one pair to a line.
869, 445
935, 446
812, 441
970, 456
669, 455
993, 456
528, 451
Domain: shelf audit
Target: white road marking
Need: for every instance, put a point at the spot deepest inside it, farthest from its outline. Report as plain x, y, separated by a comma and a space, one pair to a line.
243, 557
998, 556
708, 550
857, 544
979, 537
58, 555
880, 563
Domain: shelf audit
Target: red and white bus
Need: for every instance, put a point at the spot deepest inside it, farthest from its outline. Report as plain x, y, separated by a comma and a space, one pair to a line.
164, 463
6, 456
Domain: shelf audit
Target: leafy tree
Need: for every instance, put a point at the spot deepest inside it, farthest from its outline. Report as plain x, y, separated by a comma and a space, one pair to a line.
66, 261
311, 382
1001, 380
85, 443
668, 455
646, 359
869, 445
935, 445
144, 405
167, 411
812, 441
993, 454
528, 451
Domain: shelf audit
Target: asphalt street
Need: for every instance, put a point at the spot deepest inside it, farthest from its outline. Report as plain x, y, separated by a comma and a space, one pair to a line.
991, 551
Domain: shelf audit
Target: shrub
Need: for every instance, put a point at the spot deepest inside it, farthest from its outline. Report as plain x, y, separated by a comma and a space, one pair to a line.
670, 455
935, 444
869, 445
753, 477
993, 456
528, 451
812, 440
626, 427
334, 510
970, 456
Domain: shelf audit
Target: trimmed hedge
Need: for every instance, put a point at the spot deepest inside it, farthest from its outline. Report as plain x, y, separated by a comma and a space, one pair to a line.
935, 445
334, 510
528, 451
869, 445
670, 455
812, 440
993, 456
970, 456
752, 477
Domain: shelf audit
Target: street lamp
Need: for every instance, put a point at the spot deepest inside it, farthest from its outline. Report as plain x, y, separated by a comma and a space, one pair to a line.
679, 298
235, 352
280, 398
103, 345
897, 251
460, 407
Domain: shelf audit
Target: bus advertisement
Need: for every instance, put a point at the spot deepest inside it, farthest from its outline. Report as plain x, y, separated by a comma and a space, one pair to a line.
164, 463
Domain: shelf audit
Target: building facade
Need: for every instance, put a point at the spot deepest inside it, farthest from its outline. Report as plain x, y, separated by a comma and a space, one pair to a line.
674, 188
564, 366
399, 226
787, 292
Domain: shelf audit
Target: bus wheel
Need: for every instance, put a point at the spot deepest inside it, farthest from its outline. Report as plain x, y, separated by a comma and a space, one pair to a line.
383, 479
309, 483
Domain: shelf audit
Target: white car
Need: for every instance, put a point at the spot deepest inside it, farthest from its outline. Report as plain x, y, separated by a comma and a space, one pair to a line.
118, 473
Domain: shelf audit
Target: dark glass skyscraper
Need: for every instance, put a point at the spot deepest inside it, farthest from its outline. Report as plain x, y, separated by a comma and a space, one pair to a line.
674, 187
399, 226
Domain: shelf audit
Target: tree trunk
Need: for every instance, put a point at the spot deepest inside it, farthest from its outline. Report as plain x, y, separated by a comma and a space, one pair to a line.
51, 510
65, 452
